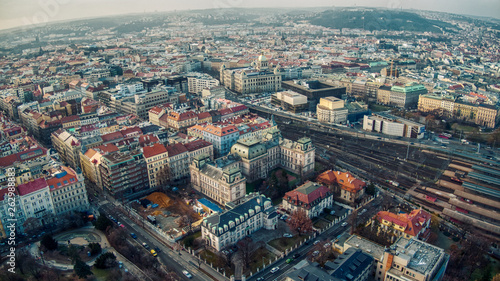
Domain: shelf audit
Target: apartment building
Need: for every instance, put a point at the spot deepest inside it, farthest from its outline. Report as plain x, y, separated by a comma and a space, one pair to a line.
310, 197
67, 146
436, 103
124, 174
156, 157
68, 192
180, 120
222, 137
199, 81
90, 161
36, 201
222, 230
350, 188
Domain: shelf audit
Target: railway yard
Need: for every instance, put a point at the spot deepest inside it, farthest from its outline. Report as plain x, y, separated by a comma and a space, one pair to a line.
460, 187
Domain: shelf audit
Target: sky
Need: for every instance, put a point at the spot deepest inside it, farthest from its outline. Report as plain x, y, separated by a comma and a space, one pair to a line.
16, 13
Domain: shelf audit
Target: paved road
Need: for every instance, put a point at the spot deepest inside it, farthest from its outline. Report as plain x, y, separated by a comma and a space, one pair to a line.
285, 268
168, 257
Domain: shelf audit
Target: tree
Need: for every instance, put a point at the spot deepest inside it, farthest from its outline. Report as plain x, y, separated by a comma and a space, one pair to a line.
82, 269
496, 277
105, 260
352, 220
246, 247
186, 220
299, 222
494, 139
73, 253
435, 222
102, 222
164, 176
49, 242
31, 226
283, 183
95, 248
370, 189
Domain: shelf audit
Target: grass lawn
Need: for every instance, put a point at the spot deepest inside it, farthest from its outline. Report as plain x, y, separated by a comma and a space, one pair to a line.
320, 224
464, 128
191, 236
261, 254
100, 274
378, 107
330, 217
284, 243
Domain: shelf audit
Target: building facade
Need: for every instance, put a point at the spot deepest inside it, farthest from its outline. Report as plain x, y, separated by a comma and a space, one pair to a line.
331, 110
221, 180
227, 228
310, 197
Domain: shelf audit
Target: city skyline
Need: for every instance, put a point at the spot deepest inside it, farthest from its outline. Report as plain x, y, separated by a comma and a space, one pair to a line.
26, 14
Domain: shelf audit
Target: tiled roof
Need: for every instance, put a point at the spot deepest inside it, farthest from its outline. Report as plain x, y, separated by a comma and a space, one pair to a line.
412, 222
176, 149
31, 186
67, 176
155, 149
197, 144
307, 193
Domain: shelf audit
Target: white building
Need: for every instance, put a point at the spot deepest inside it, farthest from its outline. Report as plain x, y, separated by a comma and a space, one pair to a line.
331, 110
226, 229
36, 201
394, 126
199, 81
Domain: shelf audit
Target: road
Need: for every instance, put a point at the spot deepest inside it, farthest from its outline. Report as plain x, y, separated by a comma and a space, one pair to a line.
285, 268
172, 259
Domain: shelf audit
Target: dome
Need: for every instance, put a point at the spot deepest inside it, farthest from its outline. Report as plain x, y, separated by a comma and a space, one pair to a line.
249, 149
262, 57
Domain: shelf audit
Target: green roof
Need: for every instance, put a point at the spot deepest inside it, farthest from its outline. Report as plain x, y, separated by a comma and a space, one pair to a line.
308, 187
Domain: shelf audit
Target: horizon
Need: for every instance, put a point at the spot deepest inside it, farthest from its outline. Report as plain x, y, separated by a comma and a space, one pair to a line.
16, 15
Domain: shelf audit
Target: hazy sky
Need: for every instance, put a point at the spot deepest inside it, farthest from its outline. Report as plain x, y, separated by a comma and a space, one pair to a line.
15, 13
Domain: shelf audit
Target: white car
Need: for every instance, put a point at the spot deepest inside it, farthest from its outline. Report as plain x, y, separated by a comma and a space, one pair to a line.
187, 274
275, 269
344, 224
287, 235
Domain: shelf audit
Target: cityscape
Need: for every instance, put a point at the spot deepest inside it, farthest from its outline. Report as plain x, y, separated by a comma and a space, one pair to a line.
259, 143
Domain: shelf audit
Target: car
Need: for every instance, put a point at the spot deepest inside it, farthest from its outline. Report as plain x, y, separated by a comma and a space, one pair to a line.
145, 245
260, 279
327, 245
289, 260
362, 211
316, 242
158, 250
153, 252
287, 235
275, 269
315, 253
122, 226
344, 224
187, 274
133, 235
296, 255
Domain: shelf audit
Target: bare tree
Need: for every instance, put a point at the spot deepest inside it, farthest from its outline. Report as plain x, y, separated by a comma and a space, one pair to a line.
299, 222
164, 176
246, 247
353, 220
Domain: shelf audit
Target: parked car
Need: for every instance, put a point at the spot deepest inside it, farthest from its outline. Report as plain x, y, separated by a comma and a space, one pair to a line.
187, 274
133, 235
327, 245
287, 235
275, 269
153, 252
344, 224
316, 242
315, 253
145, 245
260, 279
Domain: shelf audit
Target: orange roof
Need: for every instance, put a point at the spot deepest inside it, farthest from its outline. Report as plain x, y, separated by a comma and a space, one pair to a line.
221, 131
176, 149
412, 222
345, 180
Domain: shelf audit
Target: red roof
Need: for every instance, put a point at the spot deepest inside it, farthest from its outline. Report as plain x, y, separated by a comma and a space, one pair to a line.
307, 194
204, 115
176, 149
155, 149
130, 132
107, 148
68, 176
32, 186
112, 136
3, 193
197, 144
412, 222
225, 111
